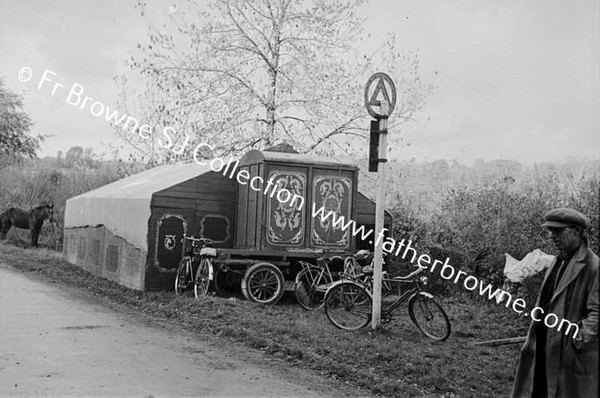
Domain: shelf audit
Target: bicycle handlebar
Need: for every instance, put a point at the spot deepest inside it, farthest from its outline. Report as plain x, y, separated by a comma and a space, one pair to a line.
409, 276
368, 270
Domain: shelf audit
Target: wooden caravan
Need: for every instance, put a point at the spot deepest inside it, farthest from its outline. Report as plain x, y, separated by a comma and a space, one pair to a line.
259, 211
266, 221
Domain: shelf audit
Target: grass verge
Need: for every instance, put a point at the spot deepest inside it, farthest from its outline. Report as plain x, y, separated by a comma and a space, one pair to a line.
396, 360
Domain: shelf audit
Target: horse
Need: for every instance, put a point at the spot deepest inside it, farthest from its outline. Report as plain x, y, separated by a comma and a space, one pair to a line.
26, 219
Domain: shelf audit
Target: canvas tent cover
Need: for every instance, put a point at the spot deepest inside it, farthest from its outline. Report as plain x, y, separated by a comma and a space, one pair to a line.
124, 206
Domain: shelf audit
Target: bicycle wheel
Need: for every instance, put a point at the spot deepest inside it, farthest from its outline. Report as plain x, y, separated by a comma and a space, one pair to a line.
204, 276
348, 306
310, 287
182, 278
429, 316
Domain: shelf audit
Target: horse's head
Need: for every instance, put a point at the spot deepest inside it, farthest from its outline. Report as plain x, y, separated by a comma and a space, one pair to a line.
47, 211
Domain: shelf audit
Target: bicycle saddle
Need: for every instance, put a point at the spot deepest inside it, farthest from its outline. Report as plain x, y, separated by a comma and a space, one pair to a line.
362, 254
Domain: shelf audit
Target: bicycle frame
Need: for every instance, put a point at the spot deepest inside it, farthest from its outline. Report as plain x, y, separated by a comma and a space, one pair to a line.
349, 304
195, 254
366, 281
405, 296
323, 271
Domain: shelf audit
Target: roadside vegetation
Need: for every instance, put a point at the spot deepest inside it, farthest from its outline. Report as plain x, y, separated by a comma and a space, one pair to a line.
394, 361
473, 214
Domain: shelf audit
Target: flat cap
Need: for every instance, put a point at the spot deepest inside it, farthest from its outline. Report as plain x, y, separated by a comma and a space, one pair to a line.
565, 217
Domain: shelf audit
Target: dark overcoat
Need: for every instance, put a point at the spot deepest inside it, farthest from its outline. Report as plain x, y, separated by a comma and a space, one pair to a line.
572, 364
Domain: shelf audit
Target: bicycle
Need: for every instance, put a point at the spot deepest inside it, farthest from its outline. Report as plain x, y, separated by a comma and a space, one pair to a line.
200, 252
313, 281
352, 267
348, 304
354, 271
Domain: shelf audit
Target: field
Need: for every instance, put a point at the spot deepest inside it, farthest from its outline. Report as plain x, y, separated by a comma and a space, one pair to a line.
472, 214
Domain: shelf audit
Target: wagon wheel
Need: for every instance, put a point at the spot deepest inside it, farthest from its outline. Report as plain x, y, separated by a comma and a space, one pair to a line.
263, 283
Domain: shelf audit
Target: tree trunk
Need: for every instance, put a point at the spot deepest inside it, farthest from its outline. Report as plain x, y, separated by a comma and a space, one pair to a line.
277, 20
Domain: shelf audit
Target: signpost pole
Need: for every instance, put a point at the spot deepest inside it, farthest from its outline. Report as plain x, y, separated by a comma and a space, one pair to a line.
379, 215
379, 85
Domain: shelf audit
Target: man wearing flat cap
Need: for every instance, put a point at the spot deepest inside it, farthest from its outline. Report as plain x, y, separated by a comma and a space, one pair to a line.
557, 363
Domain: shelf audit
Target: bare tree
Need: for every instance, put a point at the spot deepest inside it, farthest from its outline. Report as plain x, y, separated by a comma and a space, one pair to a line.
243, 74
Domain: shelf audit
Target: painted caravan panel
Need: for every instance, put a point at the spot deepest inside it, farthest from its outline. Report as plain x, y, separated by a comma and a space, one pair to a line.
285, 213
334, 191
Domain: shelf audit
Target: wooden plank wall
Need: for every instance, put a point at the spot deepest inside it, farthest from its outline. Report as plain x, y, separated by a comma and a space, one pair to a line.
249, 225
365, 211
209, 194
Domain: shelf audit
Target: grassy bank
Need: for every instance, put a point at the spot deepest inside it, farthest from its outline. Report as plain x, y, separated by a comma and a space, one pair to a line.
394, 361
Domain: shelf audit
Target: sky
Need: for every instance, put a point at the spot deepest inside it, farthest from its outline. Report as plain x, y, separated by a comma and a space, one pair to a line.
517, 80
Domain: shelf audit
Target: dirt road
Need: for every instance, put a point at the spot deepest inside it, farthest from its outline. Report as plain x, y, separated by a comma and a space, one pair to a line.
55, 343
